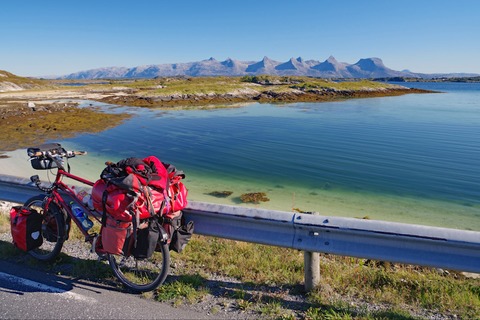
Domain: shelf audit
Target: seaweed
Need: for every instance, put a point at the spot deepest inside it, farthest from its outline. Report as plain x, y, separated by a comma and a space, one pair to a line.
254, 197
220, 194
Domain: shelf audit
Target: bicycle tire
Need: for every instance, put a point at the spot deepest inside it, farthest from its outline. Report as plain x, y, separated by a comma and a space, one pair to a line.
53, 229
141, 275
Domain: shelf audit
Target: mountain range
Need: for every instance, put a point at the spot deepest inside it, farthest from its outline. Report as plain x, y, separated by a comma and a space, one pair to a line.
369, 68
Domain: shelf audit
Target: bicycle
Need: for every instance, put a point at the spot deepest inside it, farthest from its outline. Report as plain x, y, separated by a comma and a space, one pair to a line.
138, 275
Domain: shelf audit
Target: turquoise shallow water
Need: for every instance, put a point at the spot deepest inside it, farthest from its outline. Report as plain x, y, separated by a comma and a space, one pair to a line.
412, 158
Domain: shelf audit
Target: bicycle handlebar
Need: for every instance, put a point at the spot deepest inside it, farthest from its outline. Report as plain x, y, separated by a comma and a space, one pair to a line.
68, 154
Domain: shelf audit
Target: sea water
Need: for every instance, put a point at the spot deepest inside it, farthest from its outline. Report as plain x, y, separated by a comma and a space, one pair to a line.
412, 158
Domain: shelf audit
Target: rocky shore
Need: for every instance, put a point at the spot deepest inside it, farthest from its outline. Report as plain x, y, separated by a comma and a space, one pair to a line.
250, 95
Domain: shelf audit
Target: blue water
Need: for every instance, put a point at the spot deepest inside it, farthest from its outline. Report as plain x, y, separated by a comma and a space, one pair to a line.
423, 147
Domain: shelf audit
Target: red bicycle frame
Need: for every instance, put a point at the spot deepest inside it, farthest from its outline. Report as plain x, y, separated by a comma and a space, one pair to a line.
56, 196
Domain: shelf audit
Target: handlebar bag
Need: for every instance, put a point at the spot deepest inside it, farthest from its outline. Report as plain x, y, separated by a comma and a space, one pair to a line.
42, 163
26, 228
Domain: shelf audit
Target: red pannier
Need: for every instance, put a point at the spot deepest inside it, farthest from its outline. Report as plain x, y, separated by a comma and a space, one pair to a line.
148, 179
115, 236
118, 201
144, 187
26, 228
177, 199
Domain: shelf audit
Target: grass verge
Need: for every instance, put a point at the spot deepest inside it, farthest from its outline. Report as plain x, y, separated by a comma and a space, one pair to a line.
349, 287
267, 282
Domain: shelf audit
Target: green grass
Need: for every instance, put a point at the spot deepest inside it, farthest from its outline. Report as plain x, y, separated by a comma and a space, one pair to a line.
4, 221
222, 85
21, 81
402, 287
169, 86
187, 288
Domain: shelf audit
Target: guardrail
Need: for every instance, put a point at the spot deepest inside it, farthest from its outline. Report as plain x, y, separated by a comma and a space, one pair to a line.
379, 240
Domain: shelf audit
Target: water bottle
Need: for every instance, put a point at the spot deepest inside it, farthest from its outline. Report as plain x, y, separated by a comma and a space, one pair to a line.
84, 196
82, 217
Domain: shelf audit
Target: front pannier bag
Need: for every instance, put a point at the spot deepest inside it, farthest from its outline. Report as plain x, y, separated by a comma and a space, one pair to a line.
26, 228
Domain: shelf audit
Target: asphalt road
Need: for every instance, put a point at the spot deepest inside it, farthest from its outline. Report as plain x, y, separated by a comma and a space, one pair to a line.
26, 293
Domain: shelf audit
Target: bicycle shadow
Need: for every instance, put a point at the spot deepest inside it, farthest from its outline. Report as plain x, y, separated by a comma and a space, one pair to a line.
21, 273
67, 272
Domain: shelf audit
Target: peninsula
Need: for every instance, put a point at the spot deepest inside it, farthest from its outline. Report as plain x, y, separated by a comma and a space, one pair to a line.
40, 109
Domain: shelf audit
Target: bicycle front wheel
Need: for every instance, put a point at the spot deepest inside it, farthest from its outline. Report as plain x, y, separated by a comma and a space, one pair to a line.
141, 275
53, 229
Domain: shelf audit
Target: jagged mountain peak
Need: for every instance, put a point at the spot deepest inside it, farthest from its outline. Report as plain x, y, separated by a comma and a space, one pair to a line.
331, 59
330, 68
228, 62
368, 63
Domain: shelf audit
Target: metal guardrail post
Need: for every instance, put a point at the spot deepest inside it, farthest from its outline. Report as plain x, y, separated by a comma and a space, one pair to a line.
311, 261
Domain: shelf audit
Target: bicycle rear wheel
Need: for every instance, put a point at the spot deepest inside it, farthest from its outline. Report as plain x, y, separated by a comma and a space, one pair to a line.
142, 275
53, 229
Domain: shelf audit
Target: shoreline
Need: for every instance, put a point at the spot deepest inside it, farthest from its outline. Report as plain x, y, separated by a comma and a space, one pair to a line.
266, 96
198, 92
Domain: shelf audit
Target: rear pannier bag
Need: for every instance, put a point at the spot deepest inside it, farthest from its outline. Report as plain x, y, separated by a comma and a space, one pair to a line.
179, 232
116, 236
181, 237
26, 227
147, 238
41, 163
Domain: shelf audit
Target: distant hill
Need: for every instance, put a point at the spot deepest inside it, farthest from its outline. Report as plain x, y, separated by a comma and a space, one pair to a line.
365, 68
11, 82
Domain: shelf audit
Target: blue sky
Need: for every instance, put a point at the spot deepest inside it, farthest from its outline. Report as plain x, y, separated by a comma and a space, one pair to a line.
40, 38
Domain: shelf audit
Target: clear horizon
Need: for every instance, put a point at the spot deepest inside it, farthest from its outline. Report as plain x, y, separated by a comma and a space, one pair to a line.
57, 38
